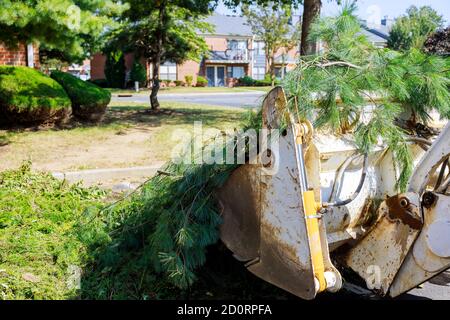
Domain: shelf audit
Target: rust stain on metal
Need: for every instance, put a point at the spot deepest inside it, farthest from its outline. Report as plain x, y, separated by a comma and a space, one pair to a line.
365, 216
405, 213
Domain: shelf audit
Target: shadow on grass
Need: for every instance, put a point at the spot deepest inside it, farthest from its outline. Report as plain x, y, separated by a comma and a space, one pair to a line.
171, 116
140, 116
222, 277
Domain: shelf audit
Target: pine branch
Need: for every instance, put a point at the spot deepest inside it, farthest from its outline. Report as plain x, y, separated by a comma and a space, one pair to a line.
339, 63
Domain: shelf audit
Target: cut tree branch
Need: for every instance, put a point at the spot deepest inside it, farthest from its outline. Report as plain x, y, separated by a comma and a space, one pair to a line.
339, 63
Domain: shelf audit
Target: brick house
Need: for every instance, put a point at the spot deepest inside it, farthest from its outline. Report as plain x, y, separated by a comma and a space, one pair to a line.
23, 55
234, 52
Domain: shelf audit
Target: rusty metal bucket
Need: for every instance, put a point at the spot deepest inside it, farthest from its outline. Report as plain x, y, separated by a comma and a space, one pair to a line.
264, 223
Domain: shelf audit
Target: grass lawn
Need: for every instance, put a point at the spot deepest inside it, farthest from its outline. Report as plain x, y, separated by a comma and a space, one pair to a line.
40, 252
55, 243
128, 136
193, 90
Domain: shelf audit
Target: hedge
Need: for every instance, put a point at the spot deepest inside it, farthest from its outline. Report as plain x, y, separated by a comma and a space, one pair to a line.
102, 83
89, 101
201, 81
250, 82
27, 96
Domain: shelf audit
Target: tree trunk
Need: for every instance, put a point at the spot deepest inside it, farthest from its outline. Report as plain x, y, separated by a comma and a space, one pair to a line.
157, 58
155, 84
270, 62
272, 70
311, 10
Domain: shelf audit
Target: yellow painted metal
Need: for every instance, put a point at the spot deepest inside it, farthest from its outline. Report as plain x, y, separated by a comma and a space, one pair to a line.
312, 226
311, 208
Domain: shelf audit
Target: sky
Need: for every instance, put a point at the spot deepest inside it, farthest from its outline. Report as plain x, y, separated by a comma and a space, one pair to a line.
375, 10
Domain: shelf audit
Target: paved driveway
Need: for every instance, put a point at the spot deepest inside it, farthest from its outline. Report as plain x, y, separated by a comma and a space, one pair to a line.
236, 99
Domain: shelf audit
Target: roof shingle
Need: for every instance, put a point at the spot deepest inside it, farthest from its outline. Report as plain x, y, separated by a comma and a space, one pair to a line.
229, 25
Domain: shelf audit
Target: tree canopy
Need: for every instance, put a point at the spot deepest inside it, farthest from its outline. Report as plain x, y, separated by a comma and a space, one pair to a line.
438, 42
311, 11
411, 30
71, 27
178, 27
163, 30
334, 87
274, 27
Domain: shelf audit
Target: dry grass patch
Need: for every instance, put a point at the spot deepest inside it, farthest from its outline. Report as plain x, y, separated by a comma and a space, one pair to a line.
128, 136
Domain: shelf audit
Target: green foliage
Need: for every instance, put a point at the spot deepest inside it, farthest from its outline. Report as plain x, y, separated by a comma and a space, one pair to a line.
179, 83
267, 81
160, 234
162, 31
272, 25
189, 80
115, 69
426, 84
38, 250
82, 93
51, 59
246, 81
178, 27
201, 81
70, 27
334, 87
102, 83
29, 89
138, 73
412, 29
249, 81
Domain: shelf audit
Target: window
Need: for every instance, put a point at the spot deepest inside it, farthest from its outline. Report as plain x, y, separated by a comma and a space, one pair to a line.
237, 44
237, 50
235, 72
168, 71
280, 73
259, 73
259, 48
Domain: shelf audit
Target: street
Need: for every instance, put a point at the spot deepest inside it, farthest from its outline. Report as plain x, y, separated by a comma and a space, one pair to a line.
236, 99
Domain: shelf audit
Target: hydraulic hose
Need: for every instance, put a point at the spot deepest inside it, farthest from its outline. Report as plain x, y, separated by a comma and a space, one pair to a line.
358, 189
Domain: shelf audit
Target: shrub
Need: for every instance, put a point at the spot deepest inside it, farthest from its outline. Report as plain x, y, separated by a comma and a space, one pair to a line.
89, 101
201, 82
438, 42
266, 82
179, 83
102, 83
27, 96
138, 73
246, 81
189, 80
115, 69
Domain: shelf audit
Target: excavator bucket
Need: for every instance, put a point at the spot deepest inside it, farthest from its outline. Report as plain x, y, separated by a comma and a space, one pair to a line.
264, 214
310, 198
430, 254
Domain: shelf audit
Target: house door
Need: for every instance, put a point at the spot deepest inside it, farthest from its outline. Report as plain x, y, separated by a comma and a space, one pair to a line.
220, 76
215, 76
211, 76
